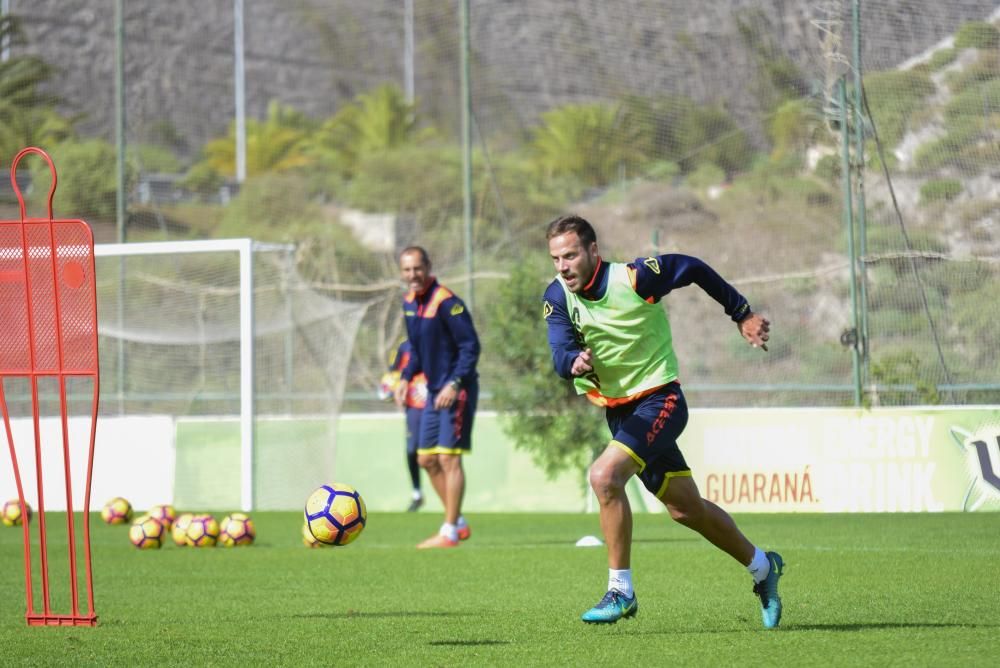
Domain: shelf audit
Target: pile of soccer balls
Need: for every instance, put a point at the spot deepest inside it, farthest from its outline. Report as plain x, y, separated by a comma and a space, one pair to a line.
150, 531
335, 515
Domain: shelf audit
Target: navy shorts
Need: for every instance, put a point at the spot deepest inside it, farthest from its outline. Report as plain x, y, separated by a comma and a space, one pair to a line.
448, 431
412, 428
647, 429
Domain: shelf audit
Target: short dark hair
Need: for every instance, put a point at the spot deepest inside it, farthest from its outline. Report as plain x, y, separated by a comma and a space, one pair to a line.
572, 223
424, 257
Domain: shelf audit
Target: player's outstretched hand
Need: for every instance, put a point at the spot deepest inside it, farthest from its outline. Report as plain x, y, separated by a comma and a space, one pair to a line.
755, 329
583, 364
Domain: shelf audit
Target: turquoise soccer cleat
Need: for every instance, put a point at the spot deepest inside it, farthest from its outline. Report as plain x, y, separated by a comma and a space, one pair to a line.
614, 606
767, 591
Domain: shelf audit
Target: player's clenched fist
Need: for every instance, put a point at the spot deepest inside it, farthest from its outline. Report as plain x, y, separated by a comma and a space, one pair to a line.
755, 329
583, 364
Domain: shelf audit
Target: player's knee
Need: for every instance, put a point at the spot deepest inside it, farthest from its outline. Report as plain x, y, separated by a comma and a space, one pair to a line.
605, 481
428, 463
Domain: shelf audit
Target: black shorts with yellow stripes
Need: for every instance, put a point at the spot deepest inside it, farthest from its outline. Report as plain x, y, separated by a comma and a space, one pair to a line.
647, 429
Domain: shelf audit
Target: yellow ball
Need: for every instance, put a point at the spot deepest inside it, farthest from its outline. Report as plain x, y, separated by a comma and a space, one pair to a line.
335, 514
11, 515
203, 531
308, 539
237, 529
147, 533
165, 513
117, 511
179, 531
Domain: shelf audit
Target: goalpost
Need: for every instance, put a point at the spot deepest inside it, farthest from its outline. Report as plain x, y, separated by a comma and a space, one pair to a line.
244, 247
217, 333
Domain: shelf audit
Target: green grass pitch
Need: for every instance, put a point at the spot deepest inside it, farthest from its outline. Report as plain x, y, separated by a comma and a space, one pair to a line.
858, 589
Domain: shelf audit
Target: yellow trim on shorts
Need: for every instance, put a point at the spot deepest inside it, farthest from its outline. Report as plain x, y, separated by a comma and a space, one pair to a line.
440, 450
666, 480
631, 453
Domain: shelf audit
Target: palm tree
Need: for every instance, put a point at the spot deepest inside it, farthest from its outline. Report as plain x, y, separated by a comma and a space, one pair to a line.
27, 116
591, 142
276, 144
377, 121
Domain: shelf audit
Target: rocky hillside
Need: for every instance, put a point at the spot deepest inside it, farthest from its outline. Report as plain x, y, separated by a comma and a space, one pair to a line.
527, 57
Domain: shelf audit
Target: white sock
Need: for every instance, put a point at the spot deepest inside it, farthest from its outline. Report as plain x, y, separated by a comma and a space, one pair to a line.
461, 522
449, 530
759, 566
417, 495
620, 580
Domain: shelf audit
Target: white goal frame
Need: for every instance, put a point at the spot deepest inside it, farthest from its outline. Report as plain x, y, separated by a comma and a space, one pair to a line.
245, 248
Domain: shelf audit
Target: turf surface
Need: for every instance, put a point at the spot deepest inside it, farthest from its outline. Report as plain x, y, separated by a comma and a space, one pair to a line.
858, 589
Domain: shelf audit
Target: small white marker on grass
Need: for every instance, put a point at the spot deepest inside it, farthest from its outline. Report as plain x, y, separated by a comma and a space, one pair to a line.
589, 541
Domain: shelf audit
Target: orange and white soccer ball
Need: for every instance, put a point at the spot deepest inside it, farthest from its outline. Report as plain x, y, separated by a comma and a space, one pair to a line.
165, 513
335, 514
11, 515
236, 529
117, 511
147, 533
203, 531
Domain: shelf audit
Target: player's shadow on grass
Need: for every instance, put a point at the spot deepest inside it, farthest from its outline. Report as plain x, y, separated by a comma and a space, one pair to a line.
566, 541
880, 625
377, 615
466, 643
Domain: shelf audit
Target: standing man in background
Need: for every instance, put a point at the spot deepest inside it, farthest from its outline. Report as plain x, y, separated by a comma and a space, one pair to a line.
415, 402
445, 347
611, 336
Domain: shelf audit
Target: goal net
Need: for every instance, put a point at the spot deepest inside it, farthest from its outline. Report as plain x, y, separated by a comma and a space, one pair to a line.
246, 359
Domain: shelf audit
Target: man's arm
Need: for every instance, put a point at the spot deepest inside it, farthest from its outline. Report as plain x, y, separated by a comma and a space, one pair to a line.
568, 358
656, 276
459, 323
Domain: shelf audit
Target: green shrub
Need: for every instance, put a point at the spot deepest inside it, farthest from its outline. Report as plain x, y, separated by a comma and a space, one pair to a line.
905, 367
942, 58
937, 190
87, 180
663, 170
828, 168
706, 175
151, 158
986, 68
894, 96
977, 35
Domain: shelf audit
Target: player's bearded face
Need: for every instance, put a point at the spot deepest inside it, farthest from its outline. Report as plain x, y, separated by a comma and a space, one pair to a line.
414, 272
574, 261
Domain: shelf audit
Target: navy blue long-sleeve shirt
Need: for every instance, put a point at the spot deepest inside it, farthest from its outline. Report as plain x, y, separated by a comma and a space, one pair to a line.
444, 343
653, 278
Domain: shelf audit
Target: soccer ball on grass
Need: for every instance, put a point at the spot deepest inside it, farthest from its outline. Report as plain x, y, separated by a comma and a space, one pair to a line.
335, 514
11, 515
236, 529
203, 531
165, 513
179, 531
147, 533
117, 511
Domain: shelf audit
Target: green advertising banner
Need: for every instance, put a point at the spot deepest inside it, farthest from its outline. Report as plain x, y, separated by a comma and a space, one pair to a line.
753, 460
847, 460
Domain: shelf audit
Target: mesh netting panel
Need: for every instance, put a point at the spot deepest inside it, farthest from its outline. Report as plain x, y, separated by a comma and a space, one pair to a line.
716, 129
170, 344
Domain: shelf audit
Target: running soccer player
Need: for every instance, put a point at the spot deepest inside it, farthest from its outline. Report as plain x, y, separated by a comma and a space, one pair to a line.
414, 403
445, 347
609, 334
